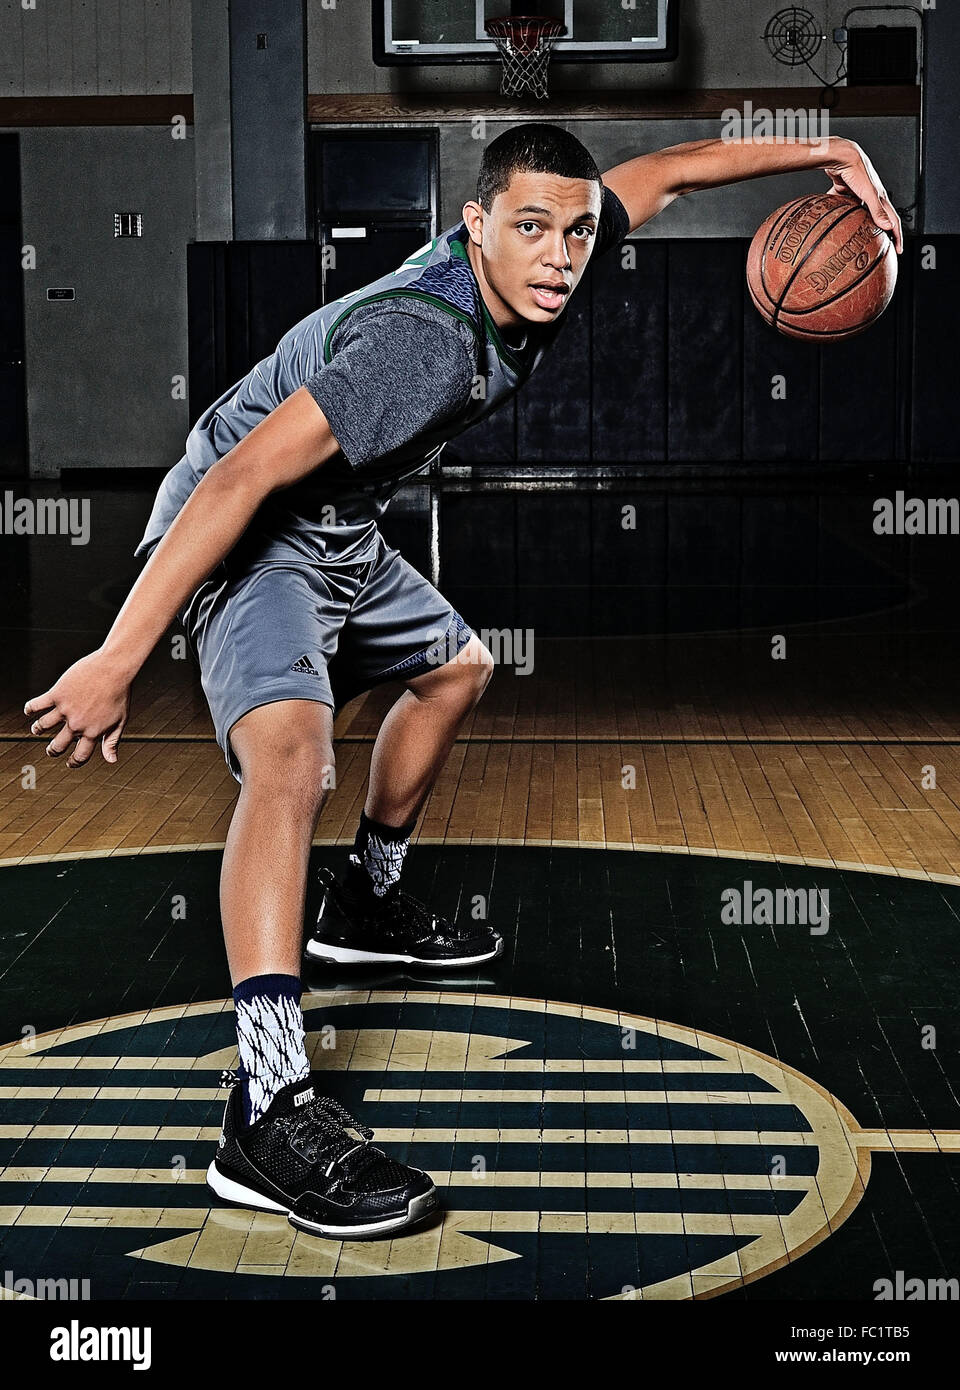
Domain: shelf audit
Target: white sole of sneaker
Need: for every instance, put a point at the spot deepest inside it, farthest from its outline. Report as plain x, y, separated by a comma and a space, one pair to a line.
240, 1196
344, 955
419, 1208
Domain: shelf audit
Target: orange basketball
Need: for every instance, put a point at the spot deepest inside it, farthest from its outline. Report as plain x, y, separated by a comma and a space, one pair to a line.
819, 268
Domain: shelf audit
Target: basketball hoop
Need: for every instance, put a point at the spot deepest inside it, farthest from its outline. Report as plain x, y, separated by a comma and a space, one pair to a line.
524, 42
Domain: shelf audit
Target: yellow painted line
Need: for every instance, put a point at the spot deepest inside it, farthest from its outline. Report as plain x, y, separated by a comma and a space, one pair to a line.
103, 1216
23, 1060
15, 1060
126, 1176
574, 1097
181, 1133
157, 1133
462, 1177
170, 1093
425, 1095
641, 1223
908, 1140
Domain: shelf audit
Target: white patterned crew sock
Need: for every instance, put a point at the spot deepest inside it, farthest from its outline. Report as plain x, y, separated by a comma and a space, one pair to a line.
270, 1039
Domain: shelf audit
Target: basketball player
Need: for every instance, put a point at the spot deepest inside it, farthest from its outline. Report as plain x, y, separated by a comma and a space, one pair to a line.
263, 542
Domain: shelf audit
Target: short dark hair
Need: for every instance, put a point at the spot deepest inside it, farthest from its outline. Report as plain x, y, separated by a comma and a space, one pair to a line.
534, 148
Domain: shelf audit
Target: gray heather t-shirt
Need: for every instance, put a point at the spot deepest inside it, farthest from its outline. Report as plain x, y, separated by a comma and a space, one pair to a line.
380, 352
399, 368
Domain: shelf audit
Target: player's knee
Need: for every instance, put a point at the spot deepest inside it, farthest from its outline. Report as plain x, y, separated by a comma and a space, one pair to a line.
460, 681
295, 771
287, 757
481, 662
473, 667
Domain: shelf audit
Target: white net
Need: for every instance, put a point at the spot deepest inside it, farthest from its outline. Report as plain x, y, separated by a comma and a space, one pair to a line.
524, 46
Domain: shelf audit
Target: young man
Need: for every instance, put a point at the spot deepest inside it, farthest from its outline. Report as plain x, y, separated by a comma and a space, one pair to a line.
263, 541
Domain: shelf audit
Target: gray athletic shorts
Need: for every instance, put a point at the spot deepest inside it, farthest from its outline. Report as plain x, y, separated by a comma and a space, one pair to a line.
290, 629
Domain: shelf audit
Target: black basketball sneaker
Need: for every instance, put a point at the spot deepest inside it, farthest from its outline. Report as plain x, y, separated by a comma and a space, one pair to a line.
400, 931
299, 1159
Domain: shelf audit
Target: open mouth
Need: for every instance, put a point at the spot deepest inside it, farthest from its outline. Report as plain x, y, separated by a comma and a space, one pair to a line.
548, 296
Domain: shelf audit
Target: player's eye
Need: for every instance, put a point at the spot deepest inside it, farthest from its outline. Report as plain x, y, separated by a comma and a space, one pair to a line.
587, 231
530, 226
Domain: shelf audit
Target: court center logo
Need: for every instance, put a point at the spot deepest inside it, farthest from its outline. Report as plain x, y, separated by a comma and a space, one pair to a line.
581, 1152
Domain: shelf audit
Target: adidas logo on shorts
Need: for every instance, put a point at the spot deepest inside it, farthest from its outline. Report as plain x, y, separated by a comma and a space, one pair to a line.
305, 665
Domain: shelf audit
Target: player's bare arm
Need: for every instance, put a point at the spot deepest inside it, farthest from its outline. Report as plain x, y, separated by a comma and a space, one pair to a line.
651, 182
91, 699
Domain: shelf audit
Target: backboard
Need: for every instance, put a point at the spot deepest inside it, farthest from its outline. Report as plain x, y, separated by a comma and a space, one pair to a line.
412, 32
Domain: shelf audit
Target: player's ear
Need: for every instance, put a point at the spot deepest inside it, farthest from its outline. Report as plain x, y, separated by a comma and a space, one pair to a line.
473, 216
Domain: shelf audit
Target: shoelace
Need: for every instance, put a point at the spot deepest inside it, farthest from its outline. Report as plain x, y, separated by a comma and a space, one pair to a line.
411, 908
327, 1117
338, 1113
436, 924
324, 1116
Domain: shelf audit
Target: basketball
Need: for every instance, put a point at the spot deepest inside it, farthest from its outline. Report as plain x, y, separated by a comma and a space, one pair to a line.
819, 268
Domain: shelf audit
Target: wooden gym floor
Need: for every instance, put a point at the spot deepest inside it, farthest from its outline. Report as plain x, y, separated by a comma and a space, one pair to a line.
779, 773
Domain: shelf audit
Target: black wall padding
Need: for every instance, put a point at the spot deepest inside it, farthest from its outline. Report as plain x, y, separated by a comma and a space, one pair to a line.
629, 357
668, 362
704, 350
242, 298
553, 419
935, 437
664, 362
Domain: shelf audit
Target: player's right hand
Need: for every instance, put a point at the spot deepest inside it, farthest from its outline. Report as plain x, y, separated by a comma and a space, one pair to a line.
91, 700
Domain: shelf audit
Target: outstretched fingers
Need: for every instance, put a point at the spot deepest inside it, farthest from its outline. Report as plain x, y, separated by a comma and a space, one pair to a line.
61, 741
82, 752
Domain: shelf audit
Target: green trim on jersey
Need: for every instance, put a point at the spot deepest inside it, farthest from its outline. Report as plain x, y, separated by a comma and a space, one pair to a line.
396, 294
457, 248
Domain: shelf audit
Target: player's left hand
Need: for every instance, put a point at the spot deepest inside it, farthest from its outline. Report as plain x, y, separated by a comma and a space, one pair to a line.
852, 172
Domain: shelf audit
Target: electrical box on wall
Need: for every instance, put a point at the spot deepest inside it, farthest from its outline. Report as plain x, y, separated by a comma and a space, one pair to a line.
882, 56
